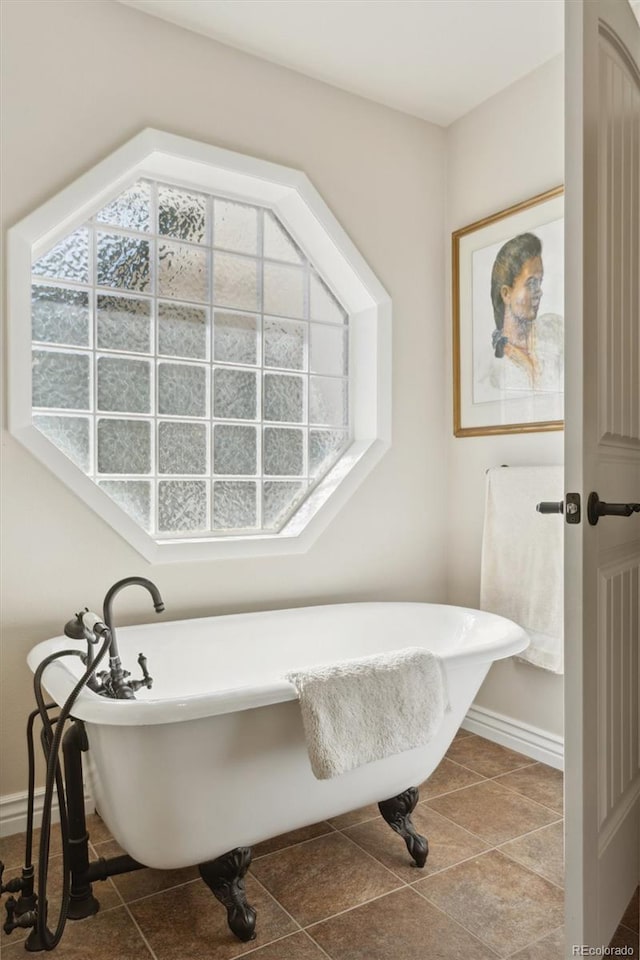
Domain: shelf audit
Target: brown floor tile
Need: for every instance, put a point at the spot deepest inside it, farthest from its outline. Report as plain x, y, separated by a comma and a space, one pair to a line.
397, 927
463, 733
624, 937
12, 848
297, 946
485, 757
502, 903
448, 844
193, 925
550, 947
98, 831
446, 777
104, 892
143, 883
317, 879
291, 838
631, 917
492, 812
537, 782
355, 816
541, 851
106, 936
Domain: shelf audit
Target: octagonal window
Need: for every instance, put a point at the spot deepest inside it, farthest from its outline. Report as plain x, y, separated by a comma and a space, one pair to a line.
192, 357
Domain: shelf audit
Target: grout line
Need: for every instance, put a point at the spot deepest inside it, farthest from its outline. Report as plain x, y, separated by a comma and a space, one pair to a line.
534, 942
450, 918
472, 786
316, 944
340, 913
157, 893
139, 929
290, 846
269, 943
375, 860
277, 902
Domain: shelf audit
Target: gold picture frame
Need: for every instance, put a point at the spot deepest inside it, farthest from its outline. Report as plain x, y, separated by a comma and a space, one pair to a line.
508, 342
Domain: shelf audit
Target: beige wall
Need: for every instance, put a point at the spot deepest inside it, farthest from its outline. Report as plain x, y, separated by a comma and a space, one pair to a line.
82, 78
506, 150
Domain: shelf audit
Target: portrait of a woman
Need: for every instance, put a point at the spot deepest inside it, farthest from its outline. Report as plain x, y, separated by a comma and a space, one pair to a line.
527, 347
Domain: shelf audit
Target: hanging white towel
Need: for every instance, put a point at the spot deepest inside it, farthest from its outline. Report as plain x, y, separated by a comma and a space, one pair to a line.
522, 558
357, 711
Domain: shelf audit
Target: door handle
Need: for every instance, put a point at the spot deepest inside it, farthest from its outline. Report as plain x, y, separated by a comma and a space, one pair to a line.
597, 508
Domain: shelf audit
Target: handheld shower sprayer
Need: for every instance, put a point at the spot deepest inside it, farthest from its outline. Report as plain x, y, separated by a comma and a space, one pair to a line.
30, 910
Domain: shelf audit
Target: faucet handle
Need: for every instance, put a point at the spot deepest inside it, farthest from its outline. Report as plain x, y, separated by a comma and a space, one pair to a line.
146, 681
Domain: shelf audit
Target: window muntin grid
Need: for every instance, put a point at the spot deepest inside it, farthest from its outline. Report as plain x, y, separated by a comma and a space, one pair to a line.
197, 371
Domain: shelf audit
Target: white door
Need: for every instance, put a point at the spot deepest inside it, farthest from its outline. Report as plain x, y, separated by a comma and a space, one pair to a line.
602, 450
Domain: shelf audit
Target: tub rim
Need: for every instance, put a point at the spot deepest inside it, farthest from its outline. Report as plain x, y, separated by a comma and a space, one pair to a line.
59, 680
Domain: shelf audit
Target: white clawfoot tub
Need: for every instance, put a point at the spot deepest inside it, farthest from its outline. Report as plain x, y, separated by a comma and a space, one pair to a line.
176, 773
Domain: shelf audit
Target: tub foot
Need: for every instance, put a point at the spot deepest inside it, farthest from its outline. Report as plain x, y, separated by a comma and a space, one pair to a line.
397, 813
225, 878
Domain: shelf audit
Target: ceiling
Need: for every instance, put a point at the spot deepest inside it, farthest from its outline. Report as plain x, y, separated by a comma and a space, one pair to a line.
434, 59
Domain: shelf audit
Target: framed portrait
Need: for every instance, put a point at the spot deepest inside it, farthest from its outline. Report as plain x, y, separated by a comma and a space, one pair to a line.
508, 320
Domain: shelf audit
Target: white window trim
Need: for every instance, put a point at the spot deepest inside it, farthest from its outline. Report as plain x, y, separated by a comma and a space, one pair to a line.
290, 194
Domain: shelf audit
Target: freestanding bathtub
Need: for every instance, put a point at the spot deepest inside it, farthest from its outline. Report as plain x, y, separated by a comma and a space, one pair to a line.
176, 773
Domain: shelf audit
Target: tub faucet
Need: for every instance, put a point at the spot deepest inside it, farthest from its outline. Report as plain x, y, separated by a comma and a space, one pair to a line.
119, 686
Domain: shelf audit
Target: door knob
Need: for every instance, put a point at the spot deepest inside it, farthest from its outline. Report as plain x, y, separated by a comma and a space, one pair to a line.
597, 508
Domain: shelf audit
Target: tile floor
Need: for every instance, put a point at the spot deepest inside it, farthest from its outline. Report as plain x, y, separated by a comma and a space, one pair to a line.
345, 889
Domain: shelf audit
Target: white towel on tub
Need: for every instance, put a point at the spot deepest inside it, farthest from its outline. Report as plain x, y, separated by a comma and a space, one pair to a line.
360, 710
522, 558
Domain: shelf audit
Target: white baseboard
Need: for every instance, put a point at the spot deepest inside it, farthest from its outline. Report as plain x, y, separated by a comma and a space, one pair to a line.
13, 811
535, 743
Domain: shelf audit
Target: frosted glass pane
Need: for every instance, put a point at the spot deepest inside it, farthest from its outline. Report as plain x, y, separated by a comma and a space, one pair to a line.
182, 447
234, 449
322, 303
124, 446
123, 262
278, 498
124, 323
324, 446
183, 272
68, 260
235, 396
283, 343
283, 452
328, 350
278, 245
124, 385
234, 504
283, 398
60, 380
130, 210
71, 435
328, 402
284, 290
182, 390
182, 215
235, 227
182, 330
235, 282
235, 338
182, 505
59, 315
133, 496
